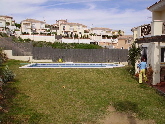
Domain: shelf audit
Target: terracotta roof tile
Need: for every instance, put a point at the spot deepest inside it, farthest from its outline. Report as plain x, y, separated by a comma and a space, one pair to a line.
74, 24
33, 20
101, 28
6, 16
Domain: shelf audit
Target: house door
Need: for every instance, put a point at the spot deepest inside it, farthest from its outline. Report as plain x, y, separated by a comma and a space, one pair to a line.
162, 54
144, 53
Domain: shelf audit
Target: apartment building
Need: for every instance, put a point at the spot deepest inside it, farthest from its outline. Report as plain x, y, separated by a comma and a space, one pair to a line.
59, 22
32, 26
9, 20
124, 42
101, 31
72, 29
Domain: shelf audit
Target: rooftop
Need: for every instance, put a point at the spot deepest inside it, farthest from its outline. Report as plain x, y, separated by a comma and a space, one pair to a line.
101, 28
33, 20
6, 16
74, 24
158, 6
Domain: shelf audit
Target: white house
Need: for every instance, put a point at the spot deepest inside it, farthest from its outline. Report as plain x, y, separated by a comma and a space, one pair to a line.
9, 20
32, 26
103, 36
151, 37
73, 29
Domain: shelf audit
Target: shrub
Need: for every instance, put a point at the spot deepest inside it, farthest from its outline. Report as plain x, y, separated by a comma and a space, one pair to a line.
133, 55
7, 74
3, 34
3, 57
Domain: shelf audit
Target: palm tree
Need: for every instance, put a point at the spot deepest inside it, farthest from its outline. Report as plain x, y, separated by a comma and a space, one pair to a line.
119, 33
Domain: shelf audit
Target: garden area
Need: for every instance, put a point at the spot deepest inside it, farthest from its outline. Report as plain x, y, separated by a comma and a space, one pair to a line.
76, 96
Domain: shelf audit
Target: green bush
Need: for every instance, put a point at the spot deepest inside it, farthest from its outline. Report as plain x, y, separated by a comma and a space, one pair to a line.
3, 57
133, 55
3, 34
7, 74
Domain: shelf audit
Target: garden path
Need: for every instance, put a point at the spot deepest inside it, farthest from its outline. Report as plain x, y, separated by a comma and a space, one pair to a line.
115, 117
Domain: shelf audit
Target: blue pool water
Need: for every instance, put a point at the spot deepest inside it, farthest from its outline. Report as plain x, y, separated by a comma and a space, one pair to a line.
71, 65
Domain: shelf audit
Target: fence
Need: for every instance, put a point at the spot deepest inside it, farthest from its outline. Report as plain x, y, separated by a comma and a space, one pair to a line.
68, 55
81, 55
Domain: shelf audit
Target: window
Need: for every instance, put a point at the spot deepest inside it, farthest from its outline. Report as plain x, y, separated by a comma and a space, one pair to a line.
162, 54
63, 27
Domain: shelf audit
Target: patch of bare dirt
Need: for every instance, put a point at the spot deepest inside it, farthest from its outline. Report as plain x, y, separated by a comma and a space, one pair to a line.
115, 117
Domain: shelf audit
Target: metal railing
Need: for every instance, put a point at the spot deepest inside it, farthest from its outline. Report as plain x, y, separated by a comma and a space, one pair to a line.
146, 29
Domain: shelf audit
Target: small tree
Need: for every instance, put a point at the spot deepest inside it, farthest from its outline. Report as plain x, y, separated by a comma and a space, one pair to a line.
18, 25
114, 36
3, 57
133, 55
5, 73
119, 33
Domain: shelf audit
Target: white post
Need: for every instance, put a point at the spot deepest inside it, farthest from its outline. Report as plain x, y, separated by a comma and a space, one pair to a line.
139, 32
155, 63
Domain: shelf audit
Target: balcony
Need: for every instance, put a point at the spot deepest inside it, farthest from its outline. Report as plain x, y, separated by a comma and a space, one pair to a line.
156, 28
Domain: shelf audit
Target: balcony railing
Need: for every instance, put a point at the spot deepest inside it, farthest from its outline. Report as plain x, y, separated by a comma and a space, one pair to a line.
145, 29
157, 27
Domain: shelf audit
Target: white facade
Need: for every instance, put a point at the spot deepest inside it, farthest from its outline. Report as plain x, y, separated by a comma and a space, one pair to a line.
73, 28
101, 31
86, 41
2, 23
39, 38
31, 25
8, 20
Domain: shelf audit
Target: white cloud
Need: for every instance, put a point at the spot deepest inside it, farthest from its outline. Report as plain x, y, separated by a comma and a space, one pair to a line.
112, 18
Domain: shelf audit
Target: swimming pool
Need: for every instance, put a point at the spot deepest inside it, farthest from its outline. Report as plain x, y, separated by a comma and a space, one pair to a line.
71, 65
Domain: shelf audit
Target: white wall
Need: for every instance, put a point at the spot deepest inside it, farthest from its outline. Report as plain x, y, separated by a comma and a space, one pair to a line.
156, 16
110, 40
22, 58
163, 15
2, 23
39, 38
159, 15
156, 27
11, 27
87, 41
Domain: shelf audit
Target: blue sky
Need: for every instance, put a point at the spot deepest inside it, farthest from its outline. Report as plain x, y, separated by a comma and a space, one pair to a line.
114, 14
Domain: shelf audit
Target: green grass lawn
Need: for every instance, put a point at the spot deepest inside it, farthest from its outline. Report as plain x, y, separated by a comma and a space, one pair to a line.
77, 96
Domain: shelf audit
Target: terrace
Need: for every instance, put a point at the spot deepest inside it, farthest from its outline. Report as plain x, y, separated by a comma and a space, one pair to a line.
157, 27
